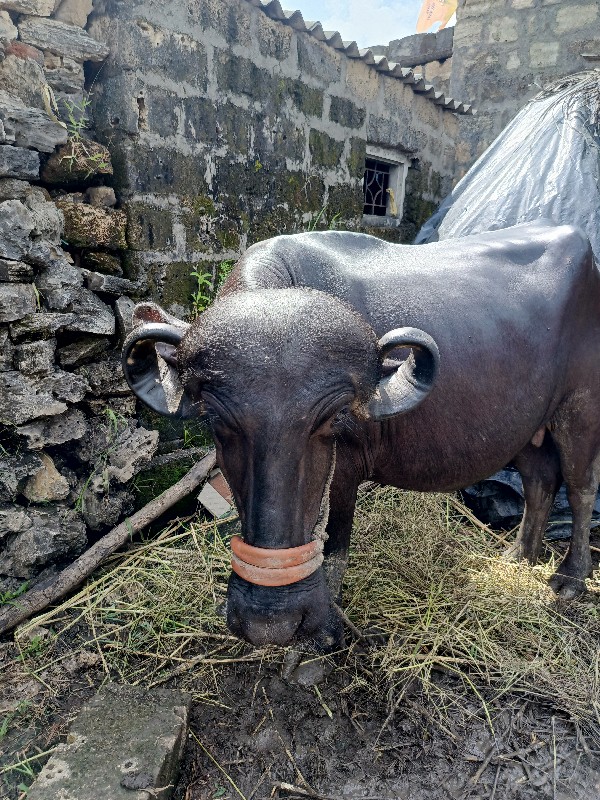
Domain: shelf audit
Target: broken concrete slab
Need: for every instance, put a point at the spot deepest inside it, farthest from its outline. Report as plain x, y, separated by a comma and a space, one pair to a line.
126, 738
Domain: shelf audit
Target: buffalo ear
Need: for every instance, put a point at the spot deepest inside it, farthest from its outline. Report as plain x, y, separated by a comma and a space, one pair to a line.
150, 366
411, 382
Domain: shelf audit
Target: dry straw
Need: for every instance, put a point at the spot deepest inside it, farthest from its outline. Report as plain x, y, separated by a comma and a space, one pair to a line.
432, 585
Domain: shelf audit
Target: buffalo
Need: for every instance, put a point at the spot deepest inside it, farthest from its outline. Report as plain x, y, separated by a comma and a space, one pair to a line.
331, 358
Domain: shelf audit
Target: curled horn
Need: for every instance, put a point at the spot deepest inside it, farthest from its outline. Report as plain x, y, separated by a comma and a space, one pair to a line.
156, 384
410, 384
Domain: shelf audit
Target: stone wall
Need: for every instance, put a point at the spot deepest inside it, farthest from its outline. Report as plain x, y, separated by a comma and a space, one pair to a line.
213, 126
429, 53
67, 450
504, 52
227, 127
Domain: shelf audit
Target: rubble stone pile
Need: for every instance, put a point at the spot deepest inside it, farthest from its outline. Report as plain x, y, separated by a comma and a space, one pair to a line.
69, 445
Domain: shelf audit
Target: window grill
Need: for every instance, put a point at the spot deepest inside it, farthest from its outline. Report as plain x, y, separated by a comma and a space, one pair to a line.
375, 186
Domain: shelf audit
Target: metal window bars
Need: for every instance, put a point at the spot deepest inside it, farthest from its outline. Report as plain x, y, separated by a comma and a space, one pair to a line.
375, 187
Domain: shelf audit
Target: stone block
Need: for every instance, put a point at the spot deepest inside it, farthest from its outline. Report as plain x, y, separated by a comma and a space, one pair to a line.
362, 81
47, 536
91, 315
200, 122
421, 48
61, 38
107, 263
543, 54
74, 12
576, 17
77, 162
8, 31
22, 77
47, 485
35, 358
12, 189
124, 316
18, 162
47, 220
110, 284
39, 8
83, 350
347, 113
15, 272
29, 127
102, 196
67, 386
6, 351
149, 169
232, 21
306, 98
39, 326
319, 60
90, 226
274, 39
503, 29
54, 430
241, 76
17, 300
14, 473
148, 227
65, 75
22, 399
60, 285
325, 151
105, 377
126, 742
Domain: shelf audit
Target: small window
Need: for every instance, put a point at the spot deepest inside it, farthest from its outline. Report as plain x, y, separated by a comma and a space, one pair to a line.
383, 186
375, 187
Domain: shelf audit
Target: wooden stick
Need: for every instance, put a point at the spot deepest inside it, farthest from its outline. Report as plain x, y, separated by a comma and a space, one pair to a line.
42, 595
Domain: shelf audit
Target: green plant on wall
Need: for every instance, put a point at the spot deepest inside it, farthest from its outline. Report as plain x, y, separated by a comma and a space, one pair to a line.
206, 289
316, 219
201, 296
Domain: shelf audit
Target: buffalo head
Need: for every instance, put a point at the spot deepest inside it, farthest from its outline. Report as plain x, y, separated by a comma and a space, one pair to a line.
276, 371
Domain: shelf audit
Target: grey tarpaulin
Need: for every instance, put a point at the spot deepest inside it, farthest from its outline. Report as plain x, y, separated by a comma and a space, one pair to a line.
545, 163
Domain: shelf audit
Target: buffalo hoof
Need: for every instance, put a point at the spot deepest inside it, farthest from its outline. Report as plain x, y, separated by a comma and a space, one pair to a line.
567, 586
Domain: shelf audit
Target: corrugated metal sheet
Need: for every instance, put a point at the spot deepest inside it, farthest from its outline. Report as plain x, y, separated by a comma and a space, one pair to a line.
295, 20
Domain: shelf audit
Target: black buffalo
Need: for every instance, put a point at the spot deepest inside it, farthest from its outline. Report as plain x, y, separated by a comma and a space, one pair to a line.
297, 364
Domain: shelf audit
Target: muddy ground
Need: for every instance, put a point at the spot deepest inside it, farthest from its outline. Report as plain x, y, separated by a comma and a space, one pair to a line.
325, 730
261, 736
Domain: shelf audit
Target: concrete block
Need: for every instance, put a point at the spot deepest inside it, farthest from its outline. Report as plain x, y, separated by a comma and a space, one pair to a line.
126, 738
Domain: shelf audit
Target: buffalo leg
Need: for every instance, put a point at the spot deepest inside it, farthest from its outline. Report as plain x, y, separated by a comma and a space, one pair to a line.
540, 471
576, 431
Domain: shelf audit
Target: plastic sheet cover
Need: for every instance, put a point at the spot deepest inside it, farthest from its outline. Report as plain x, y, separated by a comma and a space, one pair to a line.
545, 163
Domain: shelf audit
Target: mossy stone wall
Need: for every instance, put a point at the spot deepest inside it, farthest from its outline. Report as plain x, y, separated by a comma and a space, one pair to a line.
227, 127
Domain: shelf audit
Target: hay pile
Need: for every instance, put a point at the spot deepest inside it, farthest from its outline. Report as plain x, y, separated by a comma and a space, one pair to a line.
432, 583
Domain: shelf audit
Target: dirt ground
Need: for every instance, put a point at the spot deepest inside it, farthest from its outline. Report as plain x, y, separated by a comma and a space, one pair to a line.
265, 736
277, 739
330, 728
